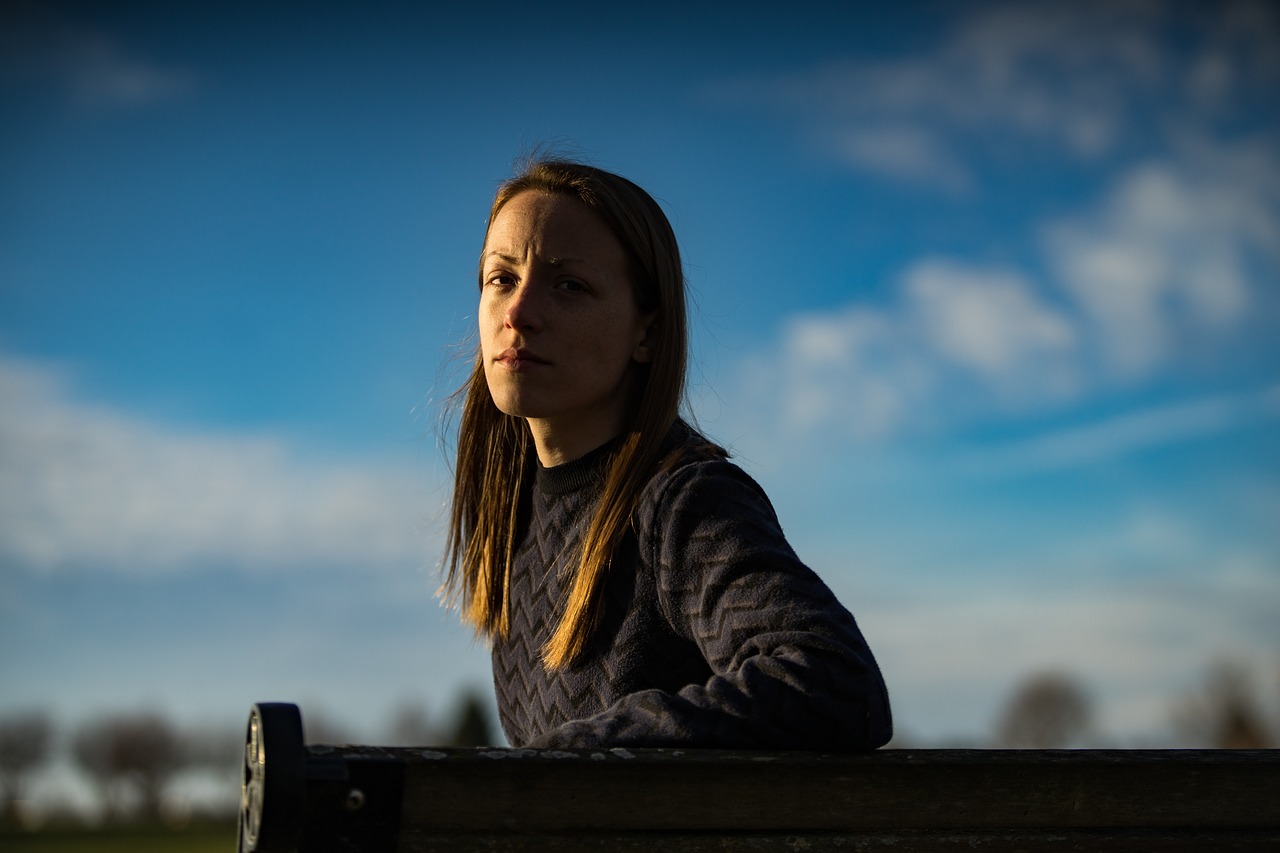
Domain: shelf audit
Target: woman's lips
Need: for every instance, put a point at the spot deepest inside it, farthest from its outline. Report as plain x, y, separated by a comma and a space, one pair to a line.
520, 359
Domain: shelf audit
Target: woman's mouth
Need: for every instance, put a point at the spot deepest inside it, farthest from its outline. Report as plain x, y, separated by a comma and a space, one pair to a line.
518, 358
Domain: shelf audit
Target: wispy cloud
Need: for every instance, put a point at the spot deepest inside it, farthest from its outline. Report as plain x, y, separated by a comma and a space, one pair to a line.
1165, 272
1082, 78
872, 371
903, 152
91, 69
989, 322
92, 486
1145, 646
100, 72
1169, 267
854, 369
1170, 256
1121, 435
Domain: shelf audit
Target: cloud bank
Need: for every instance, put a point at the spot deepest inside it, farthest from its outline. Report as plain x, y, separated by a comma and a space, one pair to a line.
93, 486
1085, 78
1164, 270
959, 655
89, 68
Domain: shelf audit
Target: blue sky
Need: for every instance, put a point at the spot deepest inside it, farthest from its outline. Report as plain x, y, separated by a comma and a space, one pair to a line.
985, 295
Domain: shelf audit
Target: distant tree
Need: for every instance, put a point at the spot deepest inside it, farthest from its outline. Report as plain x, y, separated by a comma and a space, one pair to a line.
320, 727
472, 725
216, 752
216, 748
410, 726
137, 754
92, 753
1047, 711
1224, 712
25, 739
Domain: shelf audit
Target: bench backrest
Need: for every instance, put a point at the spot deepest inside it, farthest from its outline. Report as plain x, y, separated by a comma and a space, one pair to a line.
320, 798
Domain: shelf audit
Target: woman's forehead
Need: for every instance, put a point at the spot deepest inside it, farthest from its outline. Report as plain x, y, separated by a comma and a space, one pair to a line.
554, 227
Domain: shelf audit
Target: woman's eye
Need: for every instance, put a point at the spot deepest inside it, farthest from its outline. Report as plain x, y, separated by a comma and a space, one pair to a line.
501, 279
573, 286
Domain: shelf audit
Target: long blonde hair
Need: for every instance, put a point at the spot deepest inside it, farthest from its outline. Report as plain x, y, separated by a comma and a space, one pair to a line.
495, 458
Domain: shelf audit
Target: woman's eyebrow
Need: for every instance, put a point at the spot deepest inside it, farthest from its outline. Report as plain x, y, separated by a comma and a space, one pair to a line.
551, 262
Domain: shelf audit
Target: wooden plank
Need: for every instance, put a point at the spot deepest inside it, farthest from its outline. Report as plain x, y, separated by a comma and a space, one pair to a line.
322, 799
664, 791
918, 842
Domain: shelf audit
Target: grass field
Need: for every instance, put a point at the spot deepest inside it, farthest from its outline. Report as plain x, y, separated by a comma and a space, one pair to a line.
209, 838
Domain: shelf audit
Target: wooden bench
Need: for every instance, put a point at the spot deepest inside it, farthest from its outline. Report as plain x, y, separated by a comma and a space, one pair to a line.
315, 799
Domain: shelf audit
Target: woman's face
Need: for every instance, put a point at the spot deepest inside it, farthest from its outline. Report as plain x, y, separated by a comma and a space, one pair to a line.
560, 331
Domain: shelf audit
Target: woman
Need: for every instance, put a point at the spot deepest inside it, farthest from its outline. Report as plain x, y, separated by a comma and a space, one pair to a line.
635, 585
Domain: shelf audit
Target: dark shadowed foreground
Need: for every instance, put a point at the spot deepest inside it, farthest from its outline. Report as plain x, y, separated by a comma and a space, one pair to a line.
323, 798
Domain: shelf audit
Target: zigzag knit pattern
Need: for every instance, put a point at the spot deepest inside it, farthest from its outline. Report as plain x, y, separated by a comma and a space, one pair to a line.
715, 634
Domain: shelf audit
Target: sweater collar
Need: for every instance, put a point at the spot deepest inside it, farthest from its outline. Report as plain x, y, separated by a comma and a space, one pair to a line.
571, 476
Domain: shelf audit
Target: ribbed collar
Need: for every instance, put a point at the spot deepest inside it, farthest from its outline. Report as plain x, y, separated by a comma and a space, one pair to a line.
569, 477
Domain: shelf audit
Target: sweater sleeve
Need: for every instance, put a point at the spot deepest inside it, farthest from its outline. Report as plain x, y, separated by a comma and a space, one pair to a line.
790, 667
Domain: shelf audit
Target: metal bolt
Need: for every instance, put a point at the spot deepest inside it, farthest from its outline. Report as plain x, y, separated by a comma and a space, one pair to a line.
355, 800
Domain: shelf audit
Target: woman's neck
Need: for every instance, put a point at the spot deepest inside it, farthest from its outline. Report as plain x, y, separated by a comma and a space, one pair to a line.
556, 444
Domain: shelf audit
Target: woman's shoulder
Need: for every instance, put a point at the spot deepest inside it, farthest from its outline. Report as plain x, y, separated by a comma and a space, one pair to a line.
685, 445
688, 454
695, 471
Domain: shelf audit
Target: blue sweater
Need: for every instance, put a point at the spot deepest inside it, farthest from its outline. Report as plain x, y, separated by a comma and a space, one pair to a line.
714, 634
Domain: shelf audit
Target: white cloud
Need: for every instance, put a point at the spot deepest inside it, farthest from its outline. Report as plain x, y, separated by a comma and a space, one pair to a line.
1164, 273
92, 68
1081, 77
852, 369
1060, 70
1237, 52
954, 647
990, 322
1048, 70
954, 332
904, 152
961, 603
1165, 260
101, 73
1124, 434
94, 486
1136, 649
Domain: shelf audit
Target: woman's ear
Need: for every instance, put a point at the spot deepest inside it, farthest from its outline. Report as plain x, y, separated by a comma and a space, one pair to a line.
643, 353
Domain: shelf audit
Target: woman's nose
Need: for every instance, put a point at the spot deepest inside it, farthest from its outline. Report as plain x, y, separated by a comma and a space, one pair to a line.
524, 311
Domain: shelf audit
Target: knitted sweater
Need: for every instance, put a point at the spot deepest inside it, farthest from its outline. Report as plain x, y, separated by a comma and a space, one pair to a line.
714, 633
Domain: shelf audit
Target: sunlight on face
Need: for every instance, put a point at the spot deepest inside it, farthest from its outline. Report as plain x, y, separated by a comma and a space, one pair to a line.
560, 331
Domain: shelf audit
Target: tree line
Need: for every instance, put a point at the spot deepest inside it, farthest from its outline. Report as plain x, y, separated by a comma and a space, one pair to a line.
1054, 710
133, 760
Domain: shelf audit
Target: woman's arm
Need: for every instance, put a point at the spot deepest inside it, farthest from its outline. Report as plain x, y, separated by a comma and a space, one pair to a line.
791, 668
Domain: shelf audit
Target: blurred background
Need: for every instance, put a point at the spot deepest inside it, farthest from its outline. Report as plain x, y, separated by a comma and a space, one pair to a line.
985, 295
